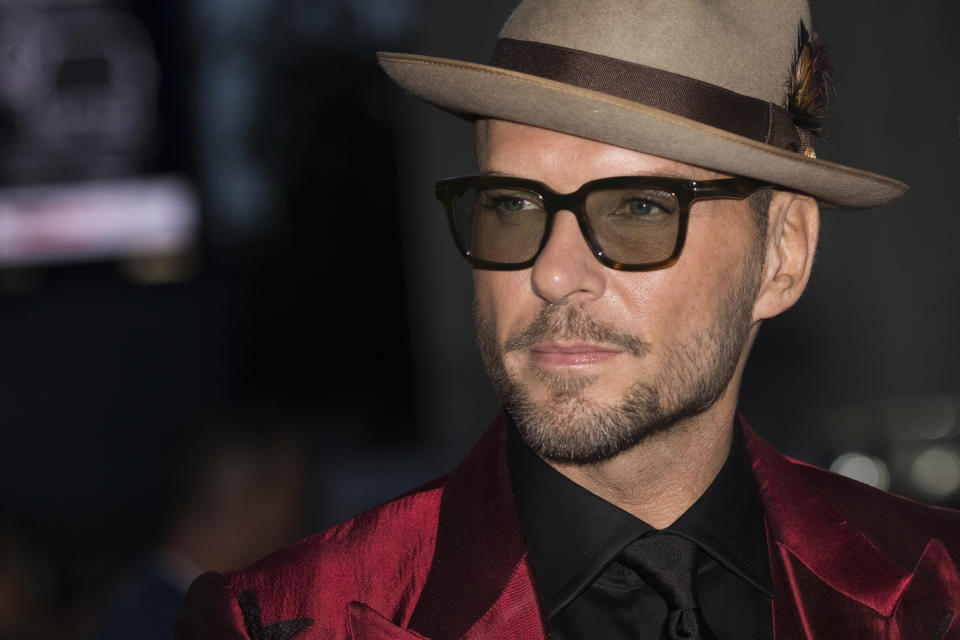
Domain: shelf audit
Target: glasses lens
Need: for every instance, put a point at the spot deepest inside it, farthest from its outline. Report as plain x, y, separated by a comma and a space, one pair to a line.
500, 225
634, 225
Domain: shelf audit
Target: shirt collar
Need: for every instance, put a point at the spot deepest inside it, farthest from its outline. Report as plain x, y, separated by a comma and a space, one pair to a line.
572, 534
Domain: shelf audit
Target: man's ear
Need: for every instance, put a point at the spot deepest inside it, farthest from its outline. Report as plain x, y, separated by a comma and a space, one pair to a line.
793, 225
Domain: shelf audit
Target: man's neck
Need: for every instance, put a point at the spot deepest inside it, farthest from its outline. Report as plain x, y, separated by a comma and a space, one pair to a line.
660, 478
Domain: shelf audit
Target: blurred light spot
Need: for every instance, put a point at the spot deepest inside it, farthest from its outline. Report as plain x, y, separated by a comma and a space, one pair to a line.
57, 223
863, 468
928, 418
936, 472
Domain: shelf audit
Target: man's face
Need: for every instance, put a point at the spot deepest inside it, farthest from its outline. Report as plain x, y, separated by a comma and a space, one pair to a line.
588, 360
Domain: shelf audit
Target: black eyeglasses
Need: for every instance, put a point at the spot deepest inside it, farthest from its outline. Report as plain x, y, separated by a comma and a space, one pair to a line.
633, 223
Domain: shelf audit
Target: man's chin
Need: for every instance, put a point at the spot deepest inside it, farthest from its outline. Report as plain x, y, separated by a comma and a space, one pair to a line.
602, 393
576, 428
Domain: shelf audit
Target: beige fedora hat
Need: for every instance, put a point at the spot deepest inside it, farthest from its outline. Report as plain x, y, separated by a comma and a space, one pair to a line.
703, 82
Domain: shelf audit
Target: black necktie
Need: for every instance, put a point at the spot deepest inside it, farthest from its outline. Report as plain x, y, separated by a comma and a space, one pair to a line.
668, 564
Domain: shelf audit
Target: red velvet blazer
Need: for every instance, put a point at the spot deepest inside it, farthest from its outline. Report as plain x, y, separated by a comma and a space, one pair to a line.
448, 561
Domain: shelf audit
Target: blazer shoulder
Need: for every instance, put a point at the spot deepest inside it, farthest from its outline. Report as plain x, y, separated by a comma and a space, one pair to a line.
893, 521
380, 557
405, 525
210, 611
796, 494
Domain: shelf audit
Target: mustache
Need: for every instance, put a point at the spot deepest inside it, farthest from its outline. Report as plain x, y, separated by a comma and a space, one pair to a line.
569, 323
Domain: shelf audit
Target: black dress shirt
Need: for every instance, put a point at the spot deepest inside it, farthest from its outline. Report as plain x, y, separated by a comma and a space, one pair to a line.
574, 536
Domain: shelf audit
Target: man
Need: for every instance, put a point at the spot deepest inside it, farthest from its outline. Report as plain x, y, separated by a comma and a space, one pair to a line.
644, 203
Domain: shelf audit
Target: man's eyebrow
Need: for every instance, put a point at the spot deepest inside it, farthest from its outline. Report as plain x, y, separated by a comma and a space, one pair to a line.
660, 173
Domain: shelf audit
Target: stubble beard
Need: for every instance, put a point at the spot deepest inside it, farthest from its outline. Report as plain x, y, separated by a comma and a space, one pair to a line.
569, 427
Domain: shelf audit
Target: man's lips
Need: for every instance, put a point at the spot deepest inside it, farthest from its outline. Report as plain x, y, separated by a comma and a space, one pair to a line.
553, 354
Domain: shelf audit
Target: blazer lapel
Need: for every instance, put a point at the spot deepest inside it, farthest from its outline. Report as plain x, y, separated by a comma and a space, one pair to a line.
831, 580
809, 608
508, 619
930, 606
516, 613
478, 579
927, 608
367, 624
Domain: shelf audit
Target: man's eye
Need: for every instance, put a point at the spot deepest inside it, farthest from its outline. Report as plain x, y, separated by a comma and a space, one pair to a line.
640, 207
515, 204
504, 203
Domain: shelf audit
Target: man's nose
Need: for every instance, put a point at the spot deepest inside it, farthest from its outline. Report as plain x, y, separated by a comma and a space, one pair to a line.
566, 270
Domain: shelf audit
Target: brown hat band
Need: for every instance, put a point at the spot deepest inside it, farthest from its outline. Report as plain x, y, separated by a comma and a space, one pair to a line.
680, 95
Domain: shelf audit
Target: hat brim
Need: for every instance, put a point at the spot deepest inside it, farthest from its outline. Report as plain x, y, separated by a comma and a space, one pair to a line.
477, 90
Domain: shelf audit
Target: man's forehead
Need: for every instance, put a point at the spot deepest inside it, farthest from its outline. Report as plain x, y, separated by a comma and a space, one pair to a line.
503, 147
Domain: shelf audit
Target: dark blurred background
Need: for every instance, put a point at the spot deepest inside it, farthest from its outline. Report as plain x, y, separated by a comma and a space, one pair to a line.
228, 302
